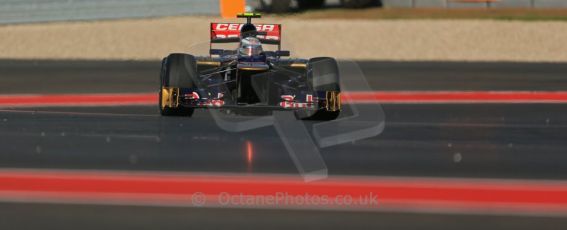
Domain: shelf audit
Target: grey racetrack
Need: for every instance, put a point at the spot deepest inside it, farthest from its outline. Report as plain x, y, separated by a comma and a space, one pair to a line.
441, 140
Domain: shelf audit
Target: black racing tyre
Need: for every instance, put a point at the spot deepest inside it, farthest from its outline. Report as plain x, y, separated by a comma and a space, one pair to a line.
360, 3
276, 6
322, 75
310, 4
177, 70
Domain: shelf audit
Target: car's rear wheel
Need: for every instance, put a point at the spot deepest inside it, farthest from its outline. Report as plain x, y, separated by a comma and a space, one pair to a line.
177, 72
323, 76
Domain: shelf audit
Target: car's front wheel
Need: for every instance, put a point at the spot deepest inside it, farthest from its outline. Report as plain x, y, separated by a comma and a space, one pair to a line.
177, 72
323, 76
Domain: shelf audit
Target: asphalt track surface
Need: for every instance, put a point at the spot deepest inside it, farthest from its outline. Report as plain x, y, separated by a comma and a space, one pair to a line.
140, 76
505, 141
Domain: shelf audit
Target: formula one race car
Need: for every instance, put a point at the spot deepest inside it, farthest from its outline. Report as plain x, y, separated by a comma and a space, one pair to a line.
249, 80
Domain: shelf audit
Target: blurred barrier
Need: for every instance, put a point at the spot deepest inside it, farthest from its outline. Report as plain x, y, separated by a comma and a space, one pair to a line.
23, 11
476, 3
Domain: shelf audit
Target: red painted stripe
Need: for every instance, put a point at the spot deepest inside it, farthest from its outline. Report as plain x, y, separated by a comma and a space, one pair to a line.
384, 97
457, 97
400, 193
77, 99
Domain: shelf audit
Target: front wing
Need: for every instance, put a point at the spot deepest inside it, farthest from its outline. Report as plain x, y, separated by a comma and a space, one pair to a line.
198, 98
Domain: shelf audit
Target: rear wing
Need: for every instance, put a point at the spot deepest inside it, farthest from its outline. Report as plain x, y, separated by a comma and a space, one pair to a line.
230, 32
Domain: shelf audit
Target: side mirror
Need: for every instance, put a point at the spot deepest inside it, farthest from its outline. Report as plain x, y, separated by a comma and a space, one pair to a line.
222, 52
229, 52
216, 52
282, 53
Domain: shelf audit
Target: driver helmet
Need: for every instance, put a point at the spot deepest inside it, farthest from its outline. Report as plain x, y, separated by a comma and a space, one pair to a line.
250, 47
248, 30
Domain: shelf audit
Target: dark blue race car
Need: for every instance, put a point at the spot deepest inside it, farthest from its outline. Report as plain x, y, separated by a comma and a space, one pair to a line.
249, 79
